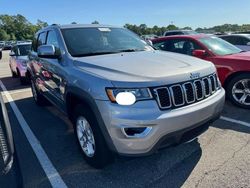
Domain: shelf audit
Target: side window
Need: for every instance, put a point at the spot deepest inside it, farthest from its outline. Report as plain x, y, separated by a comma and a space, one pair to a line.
41, 39
245, 41
34, 44
182, 46
159, 45
15, 50
52, 39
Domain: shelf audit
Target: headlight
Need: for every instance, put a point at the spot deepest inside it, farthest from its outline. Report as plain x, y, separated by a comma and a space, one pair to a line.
126, 94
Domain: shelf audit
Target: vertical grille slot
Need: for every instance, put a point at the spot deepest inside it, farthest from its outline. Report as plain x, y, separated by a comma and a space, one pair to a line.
198, 89
177, 95
207, 86
182, 94
189, 92
213, 86
163, 97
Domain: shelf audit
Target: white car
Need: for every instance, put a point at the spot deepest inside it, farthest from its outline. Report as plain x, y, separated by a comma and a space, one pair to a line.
18, 61
242, 41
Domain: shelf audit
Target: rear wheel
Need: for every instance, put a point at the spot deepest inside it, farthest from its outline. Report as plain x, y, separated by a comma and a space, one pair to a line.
238, 90
37, 96
91, 141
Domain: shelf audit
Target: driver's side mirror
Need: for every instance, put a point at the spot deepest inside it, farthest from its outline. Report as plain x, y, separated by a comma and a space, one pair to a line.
199, 53
248, 43
47, 51
12, 53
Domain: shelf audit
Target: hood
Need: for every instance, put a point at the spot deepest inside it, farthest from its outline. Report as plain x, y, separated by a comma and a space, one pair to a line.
155, 67
22, 58
238, 56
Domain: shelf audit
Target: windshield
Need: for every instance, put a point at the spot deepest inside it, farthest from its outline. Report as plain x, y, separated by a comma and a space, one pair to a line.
97, 41
23, 50
219, 46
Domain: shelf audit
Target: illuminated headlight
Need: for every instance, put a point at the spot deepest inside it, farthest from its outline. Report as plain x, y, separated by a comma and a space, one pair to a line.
128, 96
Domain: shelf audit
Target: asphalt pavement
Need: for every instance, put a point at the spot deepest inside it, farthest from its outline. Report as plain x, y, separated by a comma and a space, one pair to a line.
218, 158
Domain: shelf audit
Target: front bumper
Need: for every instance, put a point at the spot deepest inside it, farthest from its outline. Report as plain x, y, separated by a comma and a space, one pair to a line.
168, 127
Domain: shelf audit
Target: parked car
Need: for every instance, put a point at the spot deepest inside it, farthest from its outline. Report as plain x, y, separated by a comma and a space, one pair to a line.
180, 32
121, 95
242, 41
10, 173
233, 64
2, 43
7, 45
18, 61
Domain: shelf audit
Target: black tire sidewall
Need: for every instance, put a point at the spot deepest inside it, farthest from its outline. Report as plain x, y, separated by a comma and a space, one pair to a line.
230, 87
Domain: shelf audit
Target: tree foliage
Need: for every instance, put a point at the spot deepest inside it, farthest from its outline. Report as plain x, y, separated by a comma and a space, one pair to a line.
17, 27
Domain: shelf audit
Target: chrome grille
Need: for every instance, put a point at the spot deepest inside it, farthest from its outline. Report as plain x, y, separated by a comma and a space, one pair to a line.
182, 94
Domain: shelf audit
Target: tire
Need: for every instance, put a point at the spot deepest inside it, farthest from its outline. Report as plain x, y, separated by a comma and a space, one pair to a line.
102, 156
241, 96
39, 99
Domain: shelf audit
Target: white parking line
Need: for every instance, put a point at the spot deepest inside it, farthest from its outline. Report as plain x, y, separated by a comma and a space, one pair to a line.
50, 171
235, 121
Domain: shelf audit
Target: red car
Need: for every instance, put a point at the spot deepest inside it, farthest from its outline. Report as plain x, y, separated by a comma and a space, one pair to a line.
233, 64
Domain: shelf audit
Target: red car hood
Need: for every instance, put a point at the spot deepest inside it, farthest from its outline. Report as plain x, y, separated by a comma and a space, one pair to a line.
239, 56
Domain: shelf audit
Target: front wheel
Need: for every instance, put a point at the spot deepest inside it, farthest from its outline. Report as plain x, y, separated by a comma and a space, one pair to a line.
91, 141
238, 90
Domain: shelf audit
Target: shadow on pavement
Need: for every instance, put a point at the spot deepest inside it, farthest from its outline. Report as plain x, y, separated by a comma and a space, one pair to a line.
169, 167
231, 126
13, 83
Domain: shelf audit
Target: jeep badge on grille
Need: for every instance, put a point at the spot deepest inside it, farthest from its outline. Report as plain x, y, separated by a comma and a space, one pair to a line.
195, 75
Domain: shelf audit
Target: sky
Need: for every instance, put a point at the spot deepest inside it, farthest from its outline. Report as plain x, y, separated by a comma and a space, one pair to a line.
194, 13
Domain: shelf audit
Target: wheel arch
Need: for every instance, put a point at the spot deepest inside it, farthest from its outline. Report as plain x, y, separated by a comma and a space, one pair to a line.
233, 75
73, 97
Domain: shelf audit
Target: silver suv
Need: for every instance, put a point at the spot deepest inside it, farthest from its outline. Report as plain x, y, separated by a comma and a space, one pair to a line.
122, 95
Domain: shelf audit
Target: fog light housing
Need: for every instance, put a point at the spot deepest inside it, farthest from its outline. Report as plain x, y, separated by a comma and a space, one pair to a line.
136, 132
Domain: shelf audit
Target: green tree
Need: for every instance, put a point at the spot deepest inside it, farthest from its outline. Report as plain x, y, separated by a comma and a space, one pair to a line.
172, 27
4, 35
95, 22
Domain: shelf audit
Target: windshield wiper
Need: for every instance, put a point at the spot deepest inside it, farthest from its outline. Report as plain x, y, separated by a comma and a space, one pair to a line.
92, 54
131, 50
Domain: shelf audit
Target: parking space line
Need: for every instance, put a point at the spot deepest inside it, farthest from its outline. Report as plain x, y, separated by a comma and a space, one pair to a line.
50, 171
235, 121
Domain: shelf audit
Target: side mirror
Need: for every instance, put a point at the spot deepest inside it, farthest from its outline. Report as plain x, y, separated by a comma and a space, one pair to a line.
248, 43
47, 51
149, 42
12, 53
199, 53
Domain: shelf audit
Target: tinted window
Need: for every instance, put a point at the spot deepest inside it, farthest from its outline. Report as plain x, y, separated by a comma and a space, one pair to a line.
236, 40
34, 43
173, 33
52, 39
94, 41
23, 50
14, 49
183, 46
41, 39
